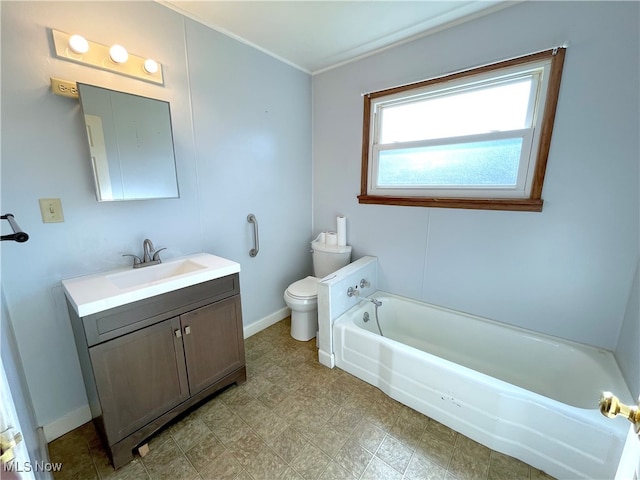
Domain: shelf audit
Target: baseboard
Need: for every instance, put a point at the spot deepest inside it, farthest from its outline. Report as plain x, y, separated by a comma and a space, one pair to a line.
266, 322
65, 424
326, 359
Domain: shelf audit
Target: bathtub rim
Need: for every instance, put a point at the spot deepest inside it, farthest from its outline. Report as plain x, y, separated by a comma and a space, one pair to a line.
522, 330
622, 390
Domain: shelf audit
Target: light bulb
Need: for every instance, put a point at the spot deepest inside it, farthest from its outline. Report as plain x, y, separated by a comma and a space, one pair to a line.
78, 44
150, 66
118, 54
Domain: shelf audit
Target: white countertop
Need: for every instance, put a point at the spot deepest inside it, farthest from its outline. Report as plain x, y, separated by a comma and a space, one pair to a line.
98, 292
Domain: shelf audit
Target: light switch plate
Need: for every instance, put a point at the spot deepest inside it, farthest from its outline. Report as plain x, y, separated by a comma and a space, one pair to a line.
51, 209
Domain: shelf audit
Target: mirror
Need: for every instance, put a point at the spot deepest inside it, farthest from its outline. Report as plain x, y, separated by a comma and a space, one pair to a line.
131, 145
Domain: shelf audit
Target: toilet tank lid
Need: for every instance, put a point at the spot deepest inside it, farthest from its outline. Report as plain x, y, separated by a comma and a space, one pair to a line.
323, 247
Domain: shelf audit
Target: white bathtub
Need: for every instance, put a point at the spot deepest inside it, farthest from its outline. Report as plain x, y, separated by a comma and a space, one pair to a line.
527, 395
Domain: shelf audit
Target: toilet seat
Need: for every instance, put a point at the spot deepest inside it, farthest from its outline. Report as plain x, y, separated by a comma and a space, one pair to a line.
301, 297
304, 289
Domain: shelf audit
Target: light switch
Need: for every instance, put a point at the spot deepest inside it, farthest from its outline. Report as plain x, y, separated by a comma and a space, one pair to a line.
51, 209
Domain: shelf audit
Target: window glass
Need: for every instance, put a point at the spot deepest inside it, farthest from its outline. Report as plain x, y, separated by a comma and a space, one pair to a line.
479, 137
476, 110
487, 163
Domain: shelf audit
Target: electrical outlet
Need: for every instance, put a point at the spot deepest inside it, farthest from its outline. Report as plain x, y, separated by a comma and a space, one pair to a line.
64, 88
51, 209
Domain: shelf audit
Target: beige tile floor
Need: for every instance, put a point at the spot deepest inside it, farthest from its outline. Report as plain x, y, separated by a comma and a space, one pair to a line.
295, 419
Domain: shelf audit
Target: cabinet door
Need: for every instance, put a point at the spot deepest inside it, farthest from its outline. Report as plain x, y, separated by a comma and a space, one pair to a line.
213, 342
139, 376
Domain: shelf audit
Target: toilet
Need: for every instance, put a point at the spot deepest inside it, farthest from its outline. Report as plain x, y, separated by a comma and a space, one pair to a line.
302, 296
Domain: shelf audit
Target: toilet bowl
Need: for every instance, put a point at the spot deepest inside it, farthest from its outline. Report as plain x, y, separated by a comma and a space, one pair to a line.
302, 296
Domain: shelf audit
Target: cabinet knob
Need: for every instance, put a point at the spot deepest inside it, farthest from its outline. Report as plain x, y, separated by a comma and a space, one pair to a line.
178, 333
187, 330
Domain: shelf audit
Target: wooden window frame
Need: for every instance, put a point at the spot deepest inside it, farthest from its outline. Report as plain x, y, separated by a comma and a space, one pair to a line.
534, 202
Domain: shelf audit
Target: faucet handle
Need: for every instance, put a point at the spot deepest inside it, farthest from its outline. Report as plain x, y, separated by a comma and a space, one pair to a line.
136, 259
156, 255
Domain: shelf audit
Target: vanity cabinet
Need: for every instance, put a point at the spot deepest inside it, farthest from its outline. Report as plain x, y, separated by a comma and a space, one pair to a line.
146, 362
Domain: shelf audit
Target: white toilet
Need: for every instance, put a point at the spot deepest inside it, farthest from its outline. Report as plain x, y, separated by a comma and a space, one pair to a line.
302, 296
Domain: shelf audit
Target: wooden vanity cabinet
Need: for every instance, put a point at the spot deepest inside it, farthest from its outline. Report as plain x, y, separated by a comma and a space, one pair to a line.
146, 362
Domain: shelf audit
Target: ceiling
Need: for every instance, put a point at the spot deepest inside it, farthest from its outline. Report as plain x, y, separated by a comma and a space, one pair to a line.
314, 36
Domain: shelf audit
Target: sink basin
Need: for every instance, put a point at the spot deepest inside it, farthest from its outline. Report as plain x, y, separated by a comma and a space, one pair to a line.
95, 293
154, 273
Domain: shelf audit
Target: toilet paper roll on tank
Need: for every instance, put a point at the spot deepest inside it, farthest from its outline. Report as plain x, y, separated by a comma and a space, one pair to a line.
337, 237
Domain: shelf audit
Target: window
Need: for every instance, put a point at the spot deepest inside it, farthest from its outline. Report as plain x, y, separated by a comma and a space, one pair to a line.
474, 139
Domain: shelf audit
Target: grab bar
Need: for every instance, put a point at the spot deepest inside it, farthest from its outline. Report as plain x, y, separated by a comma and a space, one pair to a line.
251, 218
18, 235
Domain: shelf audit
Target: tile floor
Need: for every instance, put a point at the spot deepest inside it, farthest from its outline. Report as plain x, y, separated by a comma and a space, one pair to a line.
295, 419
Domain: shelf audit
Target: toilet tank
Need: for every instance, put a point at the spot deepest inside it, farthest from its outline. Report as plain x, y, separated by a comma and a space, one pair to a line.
329, 258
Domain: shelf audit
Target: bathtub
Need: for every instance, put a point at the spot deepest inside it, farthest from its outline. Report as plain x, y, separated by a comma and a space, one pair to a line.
527, 395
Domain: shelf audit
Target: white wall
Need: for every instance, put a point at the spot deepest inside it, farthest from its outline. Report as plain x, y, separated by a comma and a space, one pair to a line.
628, 349
565, 271
232, 158
254, 115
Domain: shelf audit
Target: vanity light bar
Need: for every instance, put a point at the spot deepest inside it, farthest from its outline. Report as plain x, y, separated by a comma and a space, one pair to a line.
75, 48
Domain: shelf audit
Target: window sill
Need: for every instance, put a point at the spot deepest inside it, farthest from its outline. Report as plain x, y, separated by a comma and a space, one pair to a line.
514, 204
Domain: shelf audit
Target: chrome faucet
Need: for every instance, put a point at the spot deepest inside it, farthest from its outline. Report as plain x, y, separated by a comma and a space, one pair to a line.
147, 258
352, 292
375, 301
147, 248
